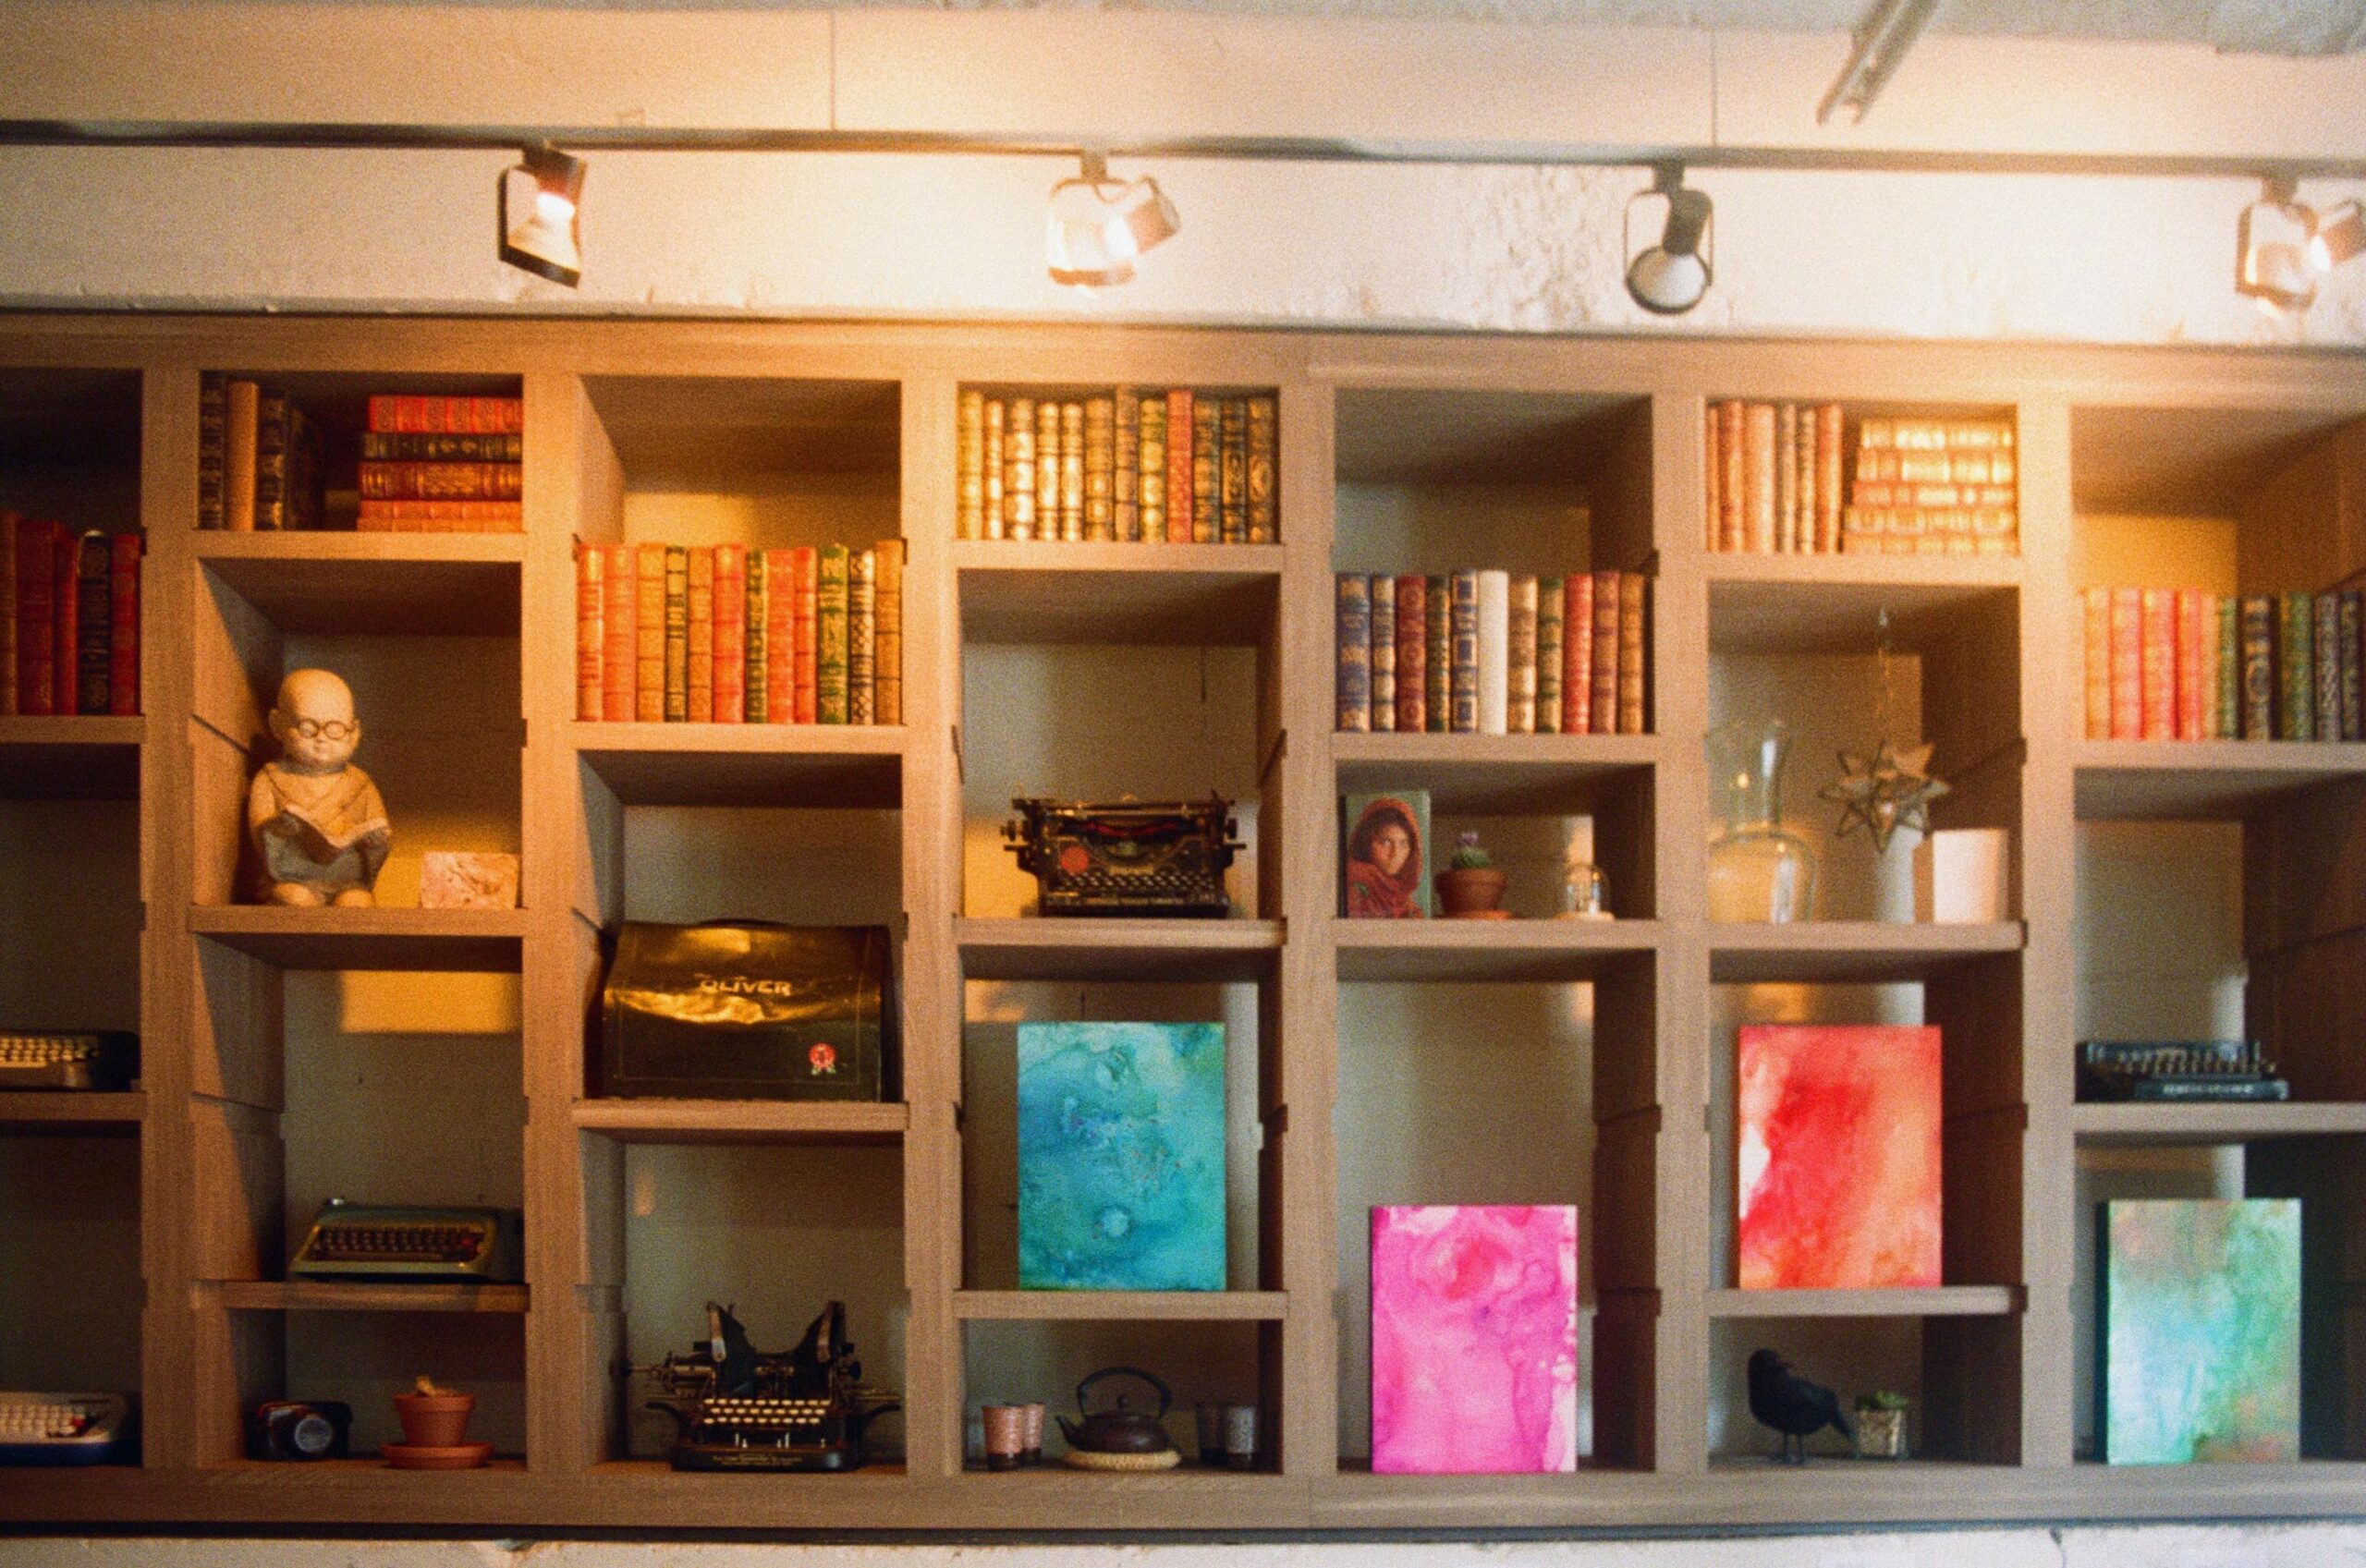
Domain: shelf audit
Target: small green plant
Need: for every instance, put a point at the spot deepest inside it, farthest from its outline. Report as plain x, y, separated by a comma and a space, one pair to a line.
1467, 854
1882, 1399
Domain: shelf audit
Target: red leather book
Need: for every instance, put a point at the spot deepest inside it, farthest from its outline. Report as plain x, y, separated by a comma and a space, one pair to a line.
122, 624
590, 630
730, 634
36, 618
619, 636
2127, 663
1412, 653
2193, 693
1180, 517
66, 619
1604, 719
1576, 654
2158, 665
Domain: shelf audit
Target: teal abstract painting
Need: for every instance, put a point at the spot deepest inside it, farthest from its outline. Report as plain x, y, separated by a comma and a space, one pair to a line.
2199, 1332
1121, 1183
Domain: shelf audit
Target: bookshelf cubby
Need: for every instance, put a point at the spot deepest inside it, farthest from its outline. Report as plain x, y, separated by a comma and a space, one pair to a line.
1532, 1060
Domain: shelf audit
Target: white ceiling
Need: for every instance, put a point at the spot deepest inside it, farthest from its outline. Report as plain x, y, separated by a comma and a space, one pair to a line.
2263, 27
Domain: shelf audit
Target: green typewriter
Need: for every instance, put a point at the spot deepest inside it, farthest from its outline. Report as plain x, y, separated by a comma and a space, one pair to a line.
356, 1239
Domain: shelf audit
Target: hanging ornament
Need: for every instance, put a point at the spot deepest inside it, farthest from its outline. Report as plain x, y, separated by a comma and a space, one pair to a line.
1884, 789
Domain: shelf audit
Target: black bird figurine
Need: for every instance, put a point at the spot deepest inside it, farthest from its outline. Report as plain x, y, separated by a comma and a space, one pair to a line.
1780, 1398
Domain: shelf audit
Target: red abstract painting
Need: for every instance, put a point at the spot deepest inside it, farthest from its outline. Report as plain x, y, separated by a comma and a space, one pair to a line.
1837, 1144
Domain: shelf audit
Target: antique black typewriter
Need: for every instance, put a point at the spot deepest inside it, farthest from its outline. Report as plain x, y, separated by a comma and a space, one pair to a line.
1132, 857
411, 1244
735, 1407
2157, 1070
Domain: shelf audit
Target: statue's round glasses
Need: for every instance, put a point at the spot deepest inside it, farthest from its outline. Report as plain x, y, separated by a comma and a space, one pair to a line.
335, 729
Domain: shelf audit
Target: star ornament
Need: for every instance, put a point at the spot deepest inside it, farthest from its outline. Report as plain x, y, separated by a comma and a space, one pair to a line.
1889, 790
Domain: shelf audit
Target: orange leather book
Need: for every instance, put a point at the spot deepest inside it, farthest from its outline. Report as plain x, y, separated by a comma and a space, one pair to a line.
1733, 522
122, 623
888, 635
2095, 607
2127, 663
1758, 476
1633, 663
2158, 665
1576, 654
1180, 499
591, 629
649, 635
1604, 720
620, 662
730, 634
2192, 636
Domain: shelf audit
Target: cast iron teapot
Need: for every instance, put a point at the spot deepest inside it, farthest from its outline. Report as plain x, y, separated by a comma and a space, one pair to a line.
1119, 1430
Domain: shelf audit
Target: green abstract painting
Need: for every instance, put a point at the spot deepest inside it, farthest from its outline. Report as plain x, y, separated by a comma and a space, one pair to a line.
1121, 1180
2199, 1332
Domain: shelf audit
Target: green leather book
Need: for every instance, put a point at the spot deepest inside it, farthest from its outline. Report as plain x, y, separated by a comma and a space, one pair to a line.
2226, 720
831, 606
2296, 667
758, 709
678, 633
2259, 667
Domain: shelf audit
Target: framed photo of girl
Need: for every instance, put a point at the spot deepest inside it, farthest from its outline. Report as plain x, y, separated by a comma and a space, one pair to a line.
1383, 857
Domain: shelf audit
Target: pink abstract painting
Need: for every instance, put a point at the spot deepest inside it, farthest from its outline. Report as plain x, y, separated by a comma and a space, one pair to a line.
1474, 1339
1838, 1146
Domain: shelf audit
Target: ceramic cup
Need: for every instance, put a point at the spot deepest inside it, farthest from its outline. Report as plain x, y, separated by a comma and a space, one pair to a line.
1005, 1436
1239, 1437
1032, 1451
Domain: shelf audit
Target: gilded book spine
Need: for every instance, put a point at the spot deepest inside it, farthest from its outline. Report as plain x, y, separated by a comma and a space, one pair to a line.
1521, 651
1758, 474
1018, 470
780, 636
1099, 477
2296, 662
95, 623
2326, 645
887, 649
123, 626
730, 634
2206, 633
2095, 606
2259, 667
805, 633
1711, 476
1412, 654
1786, 477
1183, 522
830, 636
649, 632
1462, 652
863, 636
2189, 654
2159, 667
1383, 610
2127, 663
2350, 619
1125, 467
1150, 481
241, 405
1072, 471
213, 416
65, 638
1634, 660
1604, 720
699, 698
994, 511
1732, 506
270, 464
2230, 667
1576, 654
1048, 461
1551, 596
1232, 470
969, 466
590, 630
756, 707
676, 680
1437, 620
1354, 640
1206, 488
1265, 466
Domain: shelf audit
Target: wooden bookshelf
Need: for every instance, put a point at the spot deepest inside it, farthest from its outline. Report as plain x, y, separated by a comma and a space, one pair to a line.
849, 427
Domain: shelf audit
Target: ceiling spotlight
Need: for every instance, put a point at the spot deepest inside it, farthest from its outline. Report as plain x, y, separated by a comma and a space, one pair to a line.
549, 244
2272, 249
2341, 234
1670, 277
1097, 225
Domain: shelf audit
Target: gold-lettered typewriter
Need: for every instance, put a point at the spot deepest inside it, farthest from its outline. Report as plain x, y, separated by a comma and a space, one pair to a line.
64, 1428
1130, 858
68, 1059
735, 1407
356, 1239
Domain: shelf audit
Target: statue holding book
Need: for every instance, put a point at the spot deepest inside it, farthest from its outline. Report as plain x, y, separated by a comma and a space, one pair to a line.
316, 821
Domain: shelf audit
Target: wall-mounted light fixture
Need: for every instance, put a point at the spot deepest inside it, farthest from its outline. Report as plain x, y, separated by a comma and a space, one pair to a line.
549, 243
2341, 234
1095, 226
1669, 278
2283, 246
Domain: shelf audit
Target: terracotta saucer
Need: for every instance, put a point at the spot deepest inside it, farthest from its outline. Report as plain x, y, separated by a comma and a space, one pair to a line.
460, 1456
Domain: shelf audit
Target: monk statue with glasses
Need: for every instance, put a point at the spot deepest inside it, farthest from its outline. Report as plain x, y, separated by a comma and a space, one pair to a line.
316, 821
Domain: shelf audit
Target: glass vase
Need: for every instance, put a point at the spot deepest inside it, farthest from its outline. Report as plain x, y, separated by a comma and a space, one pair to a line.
1758, 870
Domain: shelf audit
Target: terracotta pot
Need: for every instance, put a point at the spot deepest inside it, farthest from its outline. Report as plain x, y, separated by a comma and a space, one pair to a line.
1472, 893
434, 1420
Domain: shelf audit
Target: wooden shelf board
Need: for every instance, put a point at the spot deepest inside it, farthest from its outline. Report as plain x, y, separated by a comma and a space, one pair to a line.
470, 940
369, 1295
742, 1120
1494, 774
836, 766
86, 757
2152, 1123
1077, 948
2130, 781
1933, 1301
71, 1111
1039, 591
1831, 603
1120, 1307
1545, 951
1850, 952
357, 584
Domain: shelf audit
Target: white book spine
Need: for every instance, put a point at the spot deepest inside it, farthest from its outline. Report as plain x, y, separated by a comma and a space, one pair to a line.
1494, 651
